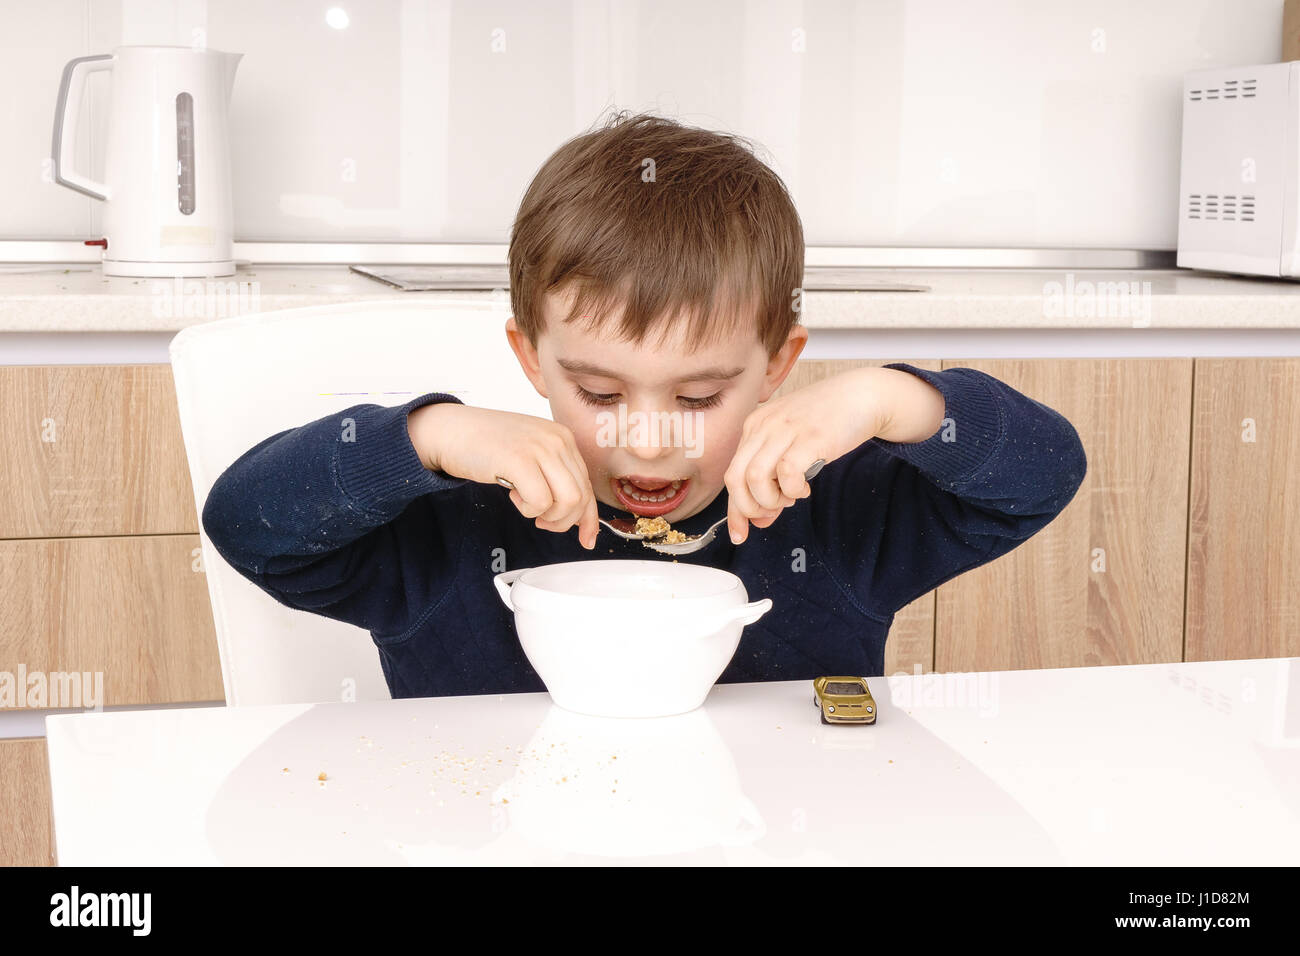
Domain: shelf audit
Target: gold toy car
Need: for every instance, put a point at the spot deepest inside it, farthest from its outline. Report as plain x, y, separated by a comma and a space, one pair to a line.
844, 700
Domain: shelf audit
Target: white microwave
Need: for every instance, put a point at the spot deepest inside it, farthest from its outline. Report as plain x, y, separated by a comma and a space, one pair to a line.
1239, 189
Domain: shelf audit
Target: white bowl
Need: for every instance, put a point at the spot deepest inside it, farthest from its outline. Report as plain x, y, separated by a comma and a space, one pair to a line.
628, 638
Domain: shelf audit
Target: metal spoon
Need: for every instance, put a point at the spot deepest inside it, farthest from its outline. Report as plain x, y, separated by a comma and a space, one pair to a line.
696, 543
625, 527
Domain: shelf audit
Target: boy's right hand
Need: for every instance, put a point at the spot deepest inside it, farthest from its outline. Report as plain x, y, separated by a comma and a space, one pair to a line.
538, 456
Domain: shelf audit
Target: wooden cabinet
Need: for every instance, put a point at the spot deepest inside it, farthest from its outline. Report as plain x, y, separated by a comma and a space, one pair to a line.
1243, 555
1181, 544
26, 825
131, 608
1103, 583
99, 546
92, 450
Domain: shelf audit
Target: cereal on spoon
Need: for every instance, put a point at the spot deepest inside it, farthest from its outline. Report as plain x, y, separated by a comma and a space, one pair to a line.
660, 530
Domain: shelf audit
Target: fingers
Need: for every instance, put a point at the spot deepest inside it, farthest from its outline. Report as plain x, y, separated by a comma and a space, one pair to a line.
761, 475
742, 505
553, 488
565, 491
589, 526
766, 476
587, 520
531, 493
789, 476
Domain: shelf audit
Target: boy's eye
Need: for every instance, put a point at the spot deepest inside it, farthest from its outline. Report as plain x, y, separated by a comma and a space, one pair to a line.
708, 401
592, 398
597, 398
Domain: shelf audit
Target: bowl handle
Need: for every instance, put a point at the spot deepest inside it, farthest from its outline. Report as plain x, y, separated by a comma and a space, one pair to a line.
503, 582
745, 613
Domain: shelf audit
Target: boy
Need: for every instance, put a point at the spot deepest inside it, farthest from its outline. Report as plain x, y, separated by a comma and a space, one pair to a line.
655, 267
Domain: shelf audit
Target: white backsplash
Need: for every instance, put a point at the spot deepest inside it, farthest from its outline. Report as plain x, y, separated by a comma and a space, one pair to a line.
901, 122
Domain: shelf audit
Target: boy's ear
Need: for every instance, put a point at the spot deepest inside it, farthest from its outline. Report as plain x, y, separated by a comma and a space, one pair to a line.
781, 364
527, 356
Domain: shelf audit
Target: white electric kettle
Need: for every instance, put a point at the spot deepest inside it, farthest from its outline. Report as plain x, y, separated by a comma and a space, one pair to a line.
167, 200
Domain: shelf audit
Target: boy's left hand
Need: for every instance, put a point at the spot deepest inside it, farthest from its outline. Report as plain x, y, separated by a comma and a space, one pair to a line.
827, 419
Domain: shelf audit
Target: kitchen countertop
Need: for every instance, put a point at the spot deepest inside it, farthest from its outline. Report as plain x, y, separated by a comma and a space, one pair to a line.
1193, 764
78, 298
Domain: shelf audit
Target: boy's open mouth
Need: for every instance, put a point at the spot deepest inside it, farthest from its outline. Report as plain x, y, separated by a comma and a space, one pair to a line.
650, 497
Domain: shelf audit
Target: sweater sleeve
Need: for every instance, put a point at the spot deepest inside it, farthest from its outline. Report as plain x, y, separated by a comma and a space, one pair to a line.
899, 519
330, 518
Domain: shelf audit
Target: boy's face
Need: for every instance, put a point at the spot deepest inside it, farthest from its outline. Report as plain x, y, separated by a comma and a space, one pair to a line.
655, 419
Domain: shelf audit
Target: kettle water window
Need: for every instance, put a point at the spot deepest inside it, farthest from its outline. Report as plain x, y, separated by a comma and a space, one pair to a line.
185, 152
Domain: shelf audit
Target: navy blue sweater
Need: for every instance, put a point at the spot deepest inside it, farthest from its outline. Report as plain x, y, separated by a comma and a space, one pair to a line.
362, 532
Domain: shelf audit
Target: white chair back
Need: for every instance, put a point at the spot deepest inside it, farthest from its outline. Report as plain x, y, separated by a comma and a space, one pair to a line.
243, 379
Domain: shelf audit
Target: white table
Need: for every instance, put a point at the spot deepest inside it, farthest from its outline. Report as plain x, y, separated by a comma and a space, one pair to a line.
1178, 764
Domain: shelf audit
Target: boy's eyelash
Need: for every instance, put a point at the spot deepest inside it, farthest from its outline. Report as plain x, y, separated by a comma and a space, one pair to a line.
591, 398
594, 398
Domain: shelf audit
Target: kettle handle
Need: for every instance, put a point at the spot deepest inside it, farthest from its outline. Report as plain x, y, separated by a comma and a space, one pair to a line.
68, 105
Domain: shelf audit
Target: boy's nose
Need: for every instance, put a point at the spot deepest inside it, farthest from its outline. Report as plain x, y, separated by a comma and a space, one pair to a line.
648, 452
656, 439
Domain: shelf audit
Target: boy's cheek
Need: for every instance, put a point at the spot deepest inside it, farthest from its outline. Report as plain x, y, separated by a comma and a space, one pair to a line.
716, 449
582, 424
595, 456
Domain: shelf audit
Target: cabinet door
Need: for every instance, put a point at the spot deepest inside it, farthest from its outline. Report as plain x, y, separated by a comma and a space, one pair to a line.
26, 831
1243, 580
92, 450
1103, 583
133, 609
910, 647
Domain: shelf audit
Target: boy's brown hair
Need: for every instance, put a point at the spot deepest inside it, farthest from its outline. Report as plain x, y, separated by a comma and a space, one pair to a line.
666, 220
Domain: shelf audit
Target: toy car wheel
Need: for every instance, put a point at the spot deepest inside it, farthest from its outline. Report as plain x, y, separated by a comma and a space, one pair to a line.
817, 701
824, 720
